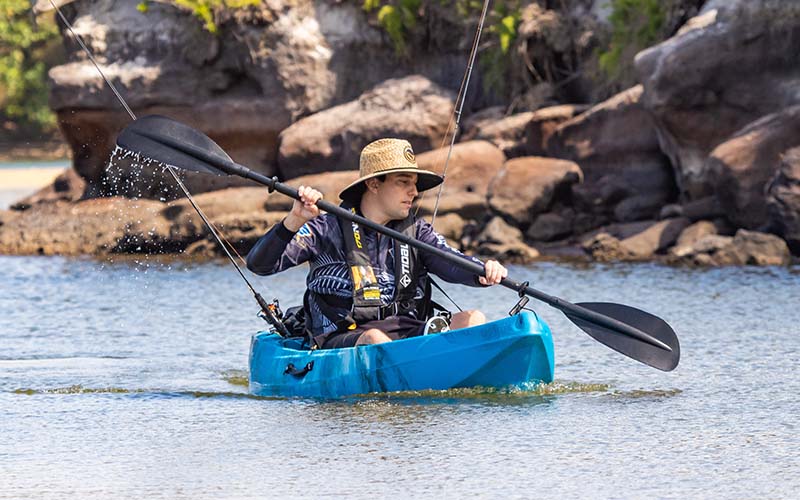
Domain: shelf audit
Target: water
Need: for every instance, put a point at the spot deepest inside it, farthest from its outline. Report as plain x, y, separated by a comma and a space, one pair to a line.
126, 380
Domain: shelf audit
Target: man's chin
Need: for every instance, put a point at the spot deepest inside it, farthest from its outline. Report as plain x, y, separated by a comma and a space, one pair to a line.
403, 212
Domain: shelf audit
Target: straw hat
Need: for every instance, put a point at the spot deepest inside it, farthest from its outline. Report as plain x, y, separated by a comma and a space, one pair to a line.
388, 156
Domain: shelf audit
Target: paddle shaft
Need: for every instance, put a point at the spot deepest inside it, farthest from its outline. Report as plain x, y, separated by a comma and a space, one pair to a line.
233, 168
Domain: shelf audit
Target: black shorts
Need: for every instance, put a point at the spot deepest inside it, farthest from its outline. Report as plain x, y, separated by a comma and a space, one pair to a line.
395, 327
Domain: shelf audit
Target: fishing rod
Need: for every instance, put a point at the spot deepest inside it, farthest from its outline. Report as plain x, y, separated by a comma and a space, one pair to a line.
459, 106
268, 311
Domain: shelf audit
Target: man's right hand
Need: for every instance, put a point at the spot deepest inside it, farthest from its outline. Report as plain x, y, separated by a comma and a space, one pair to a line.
303, 210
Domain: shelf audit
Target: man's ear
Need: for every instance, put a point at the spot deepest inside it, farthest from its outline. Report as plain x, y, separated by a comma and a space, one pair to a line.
372, 184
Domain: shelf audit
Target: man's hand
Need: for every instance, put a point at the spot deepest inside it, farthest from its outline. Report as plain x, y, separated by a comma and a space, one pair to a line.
303, 210
495, 272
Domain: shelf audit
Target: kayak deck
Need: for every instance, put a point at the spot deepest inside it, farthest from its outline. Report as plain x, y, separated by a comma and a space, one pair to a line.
501, 353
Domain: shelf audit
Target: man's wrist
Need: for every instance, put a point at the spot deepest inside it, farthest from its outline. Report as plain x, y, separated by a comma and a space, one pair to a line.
293, 223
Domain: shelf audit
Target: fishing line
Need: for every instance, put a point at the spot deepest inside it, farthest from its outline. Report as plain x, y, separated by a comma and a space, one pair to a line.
261, 302
459, 106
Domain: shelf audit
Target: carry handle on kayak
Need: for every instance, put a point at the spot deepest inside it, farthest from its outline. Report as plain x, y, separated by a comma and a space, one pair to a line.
291, 370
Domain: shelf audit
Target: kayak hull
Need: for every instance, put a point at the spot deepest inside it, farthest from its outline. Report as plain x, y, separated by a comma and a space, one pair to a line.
502, 353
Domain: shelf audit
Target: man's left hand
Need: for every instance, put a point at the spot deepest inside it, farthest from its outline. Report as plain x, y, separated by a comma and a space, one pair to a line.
495, 272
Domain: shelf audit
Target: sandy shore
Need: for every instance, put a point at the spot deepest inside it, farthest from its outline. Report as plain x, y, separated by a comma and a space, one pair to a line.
17, 183
27, 178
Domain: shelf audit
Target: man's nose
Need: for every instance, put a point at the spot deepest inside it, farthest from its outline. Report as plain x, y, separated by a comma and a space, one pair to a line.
414, 191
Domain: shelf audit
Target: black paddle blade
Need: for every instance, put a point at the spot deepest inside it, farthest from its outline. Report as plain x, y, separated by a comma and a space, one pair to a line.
164, 140
633, 348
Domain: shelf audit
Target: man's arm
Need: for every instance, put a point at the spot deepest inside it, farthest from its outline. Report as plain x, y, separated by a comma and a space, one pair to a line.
282, 247
447, 270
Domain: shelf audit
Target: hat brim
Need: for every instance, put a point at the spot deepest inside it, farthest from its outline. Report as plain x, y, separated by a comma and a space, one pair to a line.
425, 181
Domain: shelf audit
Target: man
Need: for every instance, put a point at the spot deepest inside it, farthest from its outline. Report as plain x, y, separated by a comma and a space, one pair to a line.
363, 287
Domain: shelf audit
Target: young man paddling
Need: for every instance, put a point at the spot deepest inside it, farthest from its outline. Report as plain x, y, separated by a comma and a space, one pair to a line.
363, 287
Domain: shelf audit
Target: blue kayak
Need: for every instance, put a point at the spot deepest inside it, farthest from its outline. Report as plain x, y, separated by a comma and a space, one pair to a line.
501, 353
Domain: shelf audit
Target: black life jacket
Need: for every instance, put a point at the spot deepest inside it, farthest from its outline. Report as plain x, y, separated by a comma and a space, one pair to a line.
366, 293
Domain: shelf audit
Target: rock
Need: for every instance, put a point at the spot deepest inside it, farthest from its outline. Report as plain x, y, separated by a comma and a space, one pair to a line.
783, 199
710, 250
467, 205
621, 230
90, 227
747, 70
695, 233
266, 67
241, 230
450, 225
551, 226
186, 224
507, 133
471, 164
504, 242
412, 108
330, 184
471, 125
218, 203
655, 238
605, 248
616, 146
637, 207
68, 186
544, 122
527, 186
760, 249
744, 164
702, 208
745, 248
557, 48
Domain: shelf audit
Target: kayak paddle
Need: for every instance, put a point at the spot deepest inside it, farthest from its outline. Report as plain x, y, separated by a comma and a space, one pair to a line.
629, 331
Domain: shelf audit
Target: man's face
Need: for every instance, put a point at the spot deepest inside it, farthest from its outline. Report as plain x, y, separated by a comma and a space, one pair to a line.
396, 194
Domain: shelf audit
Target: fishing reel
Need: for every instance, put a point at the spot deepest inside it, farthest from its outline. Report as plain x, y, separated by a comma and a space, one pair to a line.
438, 324
275, 311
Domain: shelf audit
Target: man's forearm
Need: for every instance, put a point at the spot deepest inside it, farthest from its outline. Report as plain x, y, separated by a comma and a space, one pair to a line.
264, 258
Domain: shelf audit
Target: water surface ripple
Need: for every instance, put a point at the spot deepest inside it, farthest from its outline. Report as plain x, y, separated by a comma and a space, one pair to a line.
128, 380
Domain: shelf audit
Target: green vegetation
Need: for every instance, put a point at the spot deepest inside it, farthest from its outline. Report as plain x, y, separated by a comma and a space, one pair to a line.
502, 23
635, 25
397, 19
24, 50
400, 17
205, 10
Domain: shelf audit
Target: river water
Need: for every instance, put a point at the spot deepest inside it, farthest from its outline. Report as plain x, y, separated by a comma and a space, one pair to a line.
127, 379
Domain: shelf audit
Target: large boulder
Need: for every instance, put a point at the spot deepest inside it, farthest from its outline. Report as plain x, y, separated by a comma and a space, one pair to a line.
656, 238
95, 227
466, 186
694, 233
471, 164
505, 132
266, 67
503, 241
527, 186
551, 226
544, 122
744, 164
616, 146
411, 108
110, 225
745, 248
730, 65
784, 199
